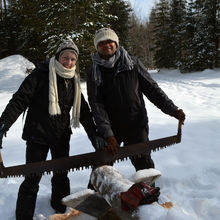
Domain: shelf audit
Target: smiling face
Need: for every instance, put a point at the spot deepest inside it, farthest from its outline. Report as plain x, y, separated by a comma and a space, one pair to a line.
68, 59
106, 49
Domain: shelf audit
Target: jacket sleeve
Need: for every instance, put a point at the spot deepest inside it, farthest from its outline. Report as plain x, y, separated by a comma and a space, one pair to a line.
153, 92
98, 109
19, 101
86, 119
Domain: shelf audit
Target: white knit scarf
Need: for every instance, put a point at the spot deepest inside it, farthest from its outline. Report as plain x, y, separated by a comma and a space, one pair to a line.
56, 67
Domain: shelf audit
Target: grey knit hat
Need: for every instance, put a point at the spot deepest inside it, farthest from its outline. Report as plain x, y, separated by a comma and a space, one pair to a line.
67, 45
105, 34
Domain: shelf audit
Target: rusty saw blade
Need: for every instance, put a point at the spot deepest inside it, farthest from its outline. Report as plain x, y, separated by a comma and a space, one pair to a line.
88, 160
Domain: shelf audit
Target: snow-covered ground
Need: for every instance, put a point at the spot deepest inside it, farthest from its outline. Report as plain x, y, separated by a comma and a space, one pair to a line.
190, 170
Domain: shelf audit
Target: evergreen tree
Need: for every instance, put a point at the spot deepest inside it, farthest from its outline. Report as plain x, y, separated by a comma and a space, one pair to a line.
3, 15
150, 25
217, 33
204, 40
213, 8
9, 29
138, 41
141, 41
177, 29
200, 42
101, 14
43, 24
163, 46
29, 34
118, 12
189, 55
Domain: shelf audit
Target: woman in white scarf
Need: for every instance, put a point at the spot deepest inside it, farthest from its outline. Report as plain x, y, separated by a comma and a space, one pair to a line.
64, 64
47, 126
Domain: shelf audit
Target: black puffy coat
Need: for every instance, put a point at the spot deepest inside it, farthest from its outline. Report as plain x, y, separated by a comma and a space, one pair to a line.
33, 94
117, 103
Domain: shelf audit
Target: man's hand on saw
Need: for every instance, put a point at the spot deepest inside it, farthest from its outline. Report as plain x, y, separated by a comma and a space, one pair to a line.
180, 115
112, 145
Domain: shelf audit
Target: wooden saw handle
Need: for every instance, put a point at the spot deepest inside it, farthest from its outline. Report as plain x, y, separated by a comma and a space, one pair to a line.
1, 161
1, 165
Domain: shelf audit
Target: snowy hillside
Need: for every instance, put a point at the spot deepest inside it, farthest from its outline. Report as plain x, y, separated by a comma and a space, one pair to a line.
190, 170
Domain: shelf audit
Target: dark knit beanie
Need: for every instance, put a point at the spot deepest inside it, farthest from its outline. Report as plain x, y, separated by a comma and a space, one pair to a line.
67, 45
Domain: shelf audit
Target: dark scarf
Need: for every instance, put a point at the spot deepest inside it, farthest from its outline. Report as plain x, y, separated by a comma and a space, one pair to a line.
121, 55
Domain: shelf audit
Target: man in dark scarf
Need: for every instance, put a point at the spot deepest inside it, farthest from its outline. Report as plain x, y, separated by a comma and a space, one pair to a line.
116, 85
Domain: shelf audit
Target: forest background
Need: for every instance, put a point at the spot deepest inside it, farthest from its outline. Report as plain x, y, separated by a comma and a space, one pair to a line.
178, 34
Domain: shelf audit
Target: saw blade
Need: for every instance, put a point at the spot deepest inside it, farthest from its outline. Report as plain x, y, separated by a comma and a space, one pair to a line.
88, 160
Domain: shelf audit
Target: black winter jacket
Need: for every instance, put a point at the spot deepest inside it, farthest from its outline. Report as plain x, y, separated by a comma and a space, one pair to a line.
118, 104
33, 95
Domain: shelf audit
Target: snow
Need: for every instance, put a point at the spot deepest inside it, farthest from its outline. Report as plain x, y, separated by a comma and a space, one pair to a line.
78, 197
143, 175
190, 171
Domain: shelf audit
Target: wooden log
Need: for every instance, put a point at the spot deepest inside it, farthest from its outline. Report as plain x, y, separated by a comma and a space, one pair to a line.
105, 204
109, 182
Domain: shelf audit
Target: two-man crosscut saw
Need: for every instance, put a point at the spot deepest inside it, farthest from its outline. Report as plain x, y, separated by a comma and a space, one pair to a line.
88, 160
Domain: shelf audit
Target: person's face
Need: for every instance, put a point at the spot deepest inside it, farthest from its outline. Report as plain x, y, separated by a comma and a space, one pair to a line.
106, 49
68, 59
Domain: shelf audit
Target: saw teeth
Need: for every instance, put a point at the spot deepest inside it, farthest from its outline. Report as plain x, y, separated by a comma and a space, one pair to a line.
41, 168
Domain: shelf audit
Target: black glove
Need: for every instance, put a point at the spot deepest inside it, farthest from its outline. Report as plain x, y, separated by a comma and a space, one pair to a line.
180, 115
99, 143
2, 132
